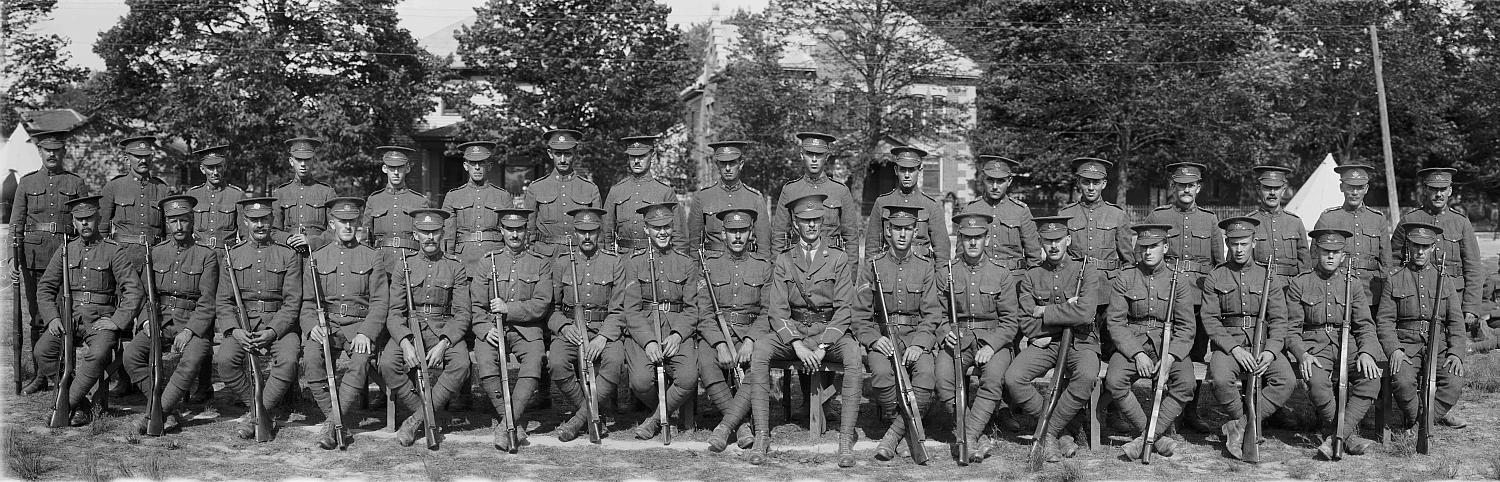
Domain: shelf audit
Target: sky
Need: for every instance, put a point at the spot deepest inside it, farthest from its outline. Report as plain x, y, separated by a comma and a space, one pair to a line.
81, 21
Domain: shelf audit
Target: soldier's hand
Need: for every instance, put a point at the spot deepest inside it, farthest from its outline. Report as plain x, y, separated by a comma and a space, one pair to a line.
575, 334
670, 345
653, 352
1368, 368
180, 341
809, 359
726, 358
1041, 342
594, 348
747, 349
362, 345
1470, 319
242, 336
316, 334
950, 340
1307, 364
494, 336
1037, 313
262, 337
54, 327
103, 324
1454, 364
885, 347
983, 355
1144, 366
435, 353
1246, 359
498, 306
912, 354
296, 241
409, 352
1264, 362
1399, 361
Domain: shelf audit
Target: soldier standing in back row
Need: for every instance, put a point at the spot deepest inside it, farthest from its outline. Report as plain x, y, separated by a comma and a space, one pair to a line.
1280, 237
514, 313
475, 225
106, 294
130, 203
931, 232
39, 221
557, 193
385, 213
705, 230
1100, 229
622, 228
841, 210
187, 279
1012, 241
355, 288
269, 276
300, 215
1368, 249
214, 212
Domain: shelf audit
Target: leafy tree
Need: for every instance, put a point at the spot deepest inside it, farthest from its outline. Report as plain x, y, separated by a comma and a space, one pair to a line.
32, 65
610, 69
252, 74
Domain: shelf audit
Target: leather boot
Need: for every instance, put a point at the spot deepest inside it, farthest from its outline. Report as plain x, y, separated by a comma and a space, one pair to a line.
407, 434
648, 427
762, 449
846, 450
979, 415
321, 398
569, 430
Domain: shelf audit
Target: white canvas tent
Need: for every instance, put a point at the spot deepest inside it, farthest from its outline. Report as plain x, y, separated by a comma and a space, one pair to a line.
17, 158
1320, 192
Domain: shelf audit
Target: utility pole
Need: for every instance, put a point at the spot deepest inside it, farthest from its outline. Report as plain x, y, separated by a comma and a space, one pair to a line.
1385, 133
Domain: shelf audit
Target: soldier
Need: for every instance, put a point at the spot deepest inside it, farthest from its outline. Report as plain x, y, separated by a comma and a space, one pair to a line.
1138, 307
657, 292
705, 231
216, 199
440, 307
385, 210
1194, 247
187, 280
562, 190
1457, 243
1100, 229
931, 237
355, 287
1232, 300
40, 220
841, 228
1369, 249
1280, 234
810, 304
106, 294
988, 308
1059, 294
739, 278
1408, 302
601, 274
475, 224
638, 189
909, 299
1316, 302
270, 282
129, 205
1012, 240
519, 291
300, 216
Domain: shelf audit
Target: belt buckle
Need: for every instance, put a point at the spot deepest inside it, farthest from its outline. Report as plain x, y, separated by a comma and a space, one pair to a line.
663, 307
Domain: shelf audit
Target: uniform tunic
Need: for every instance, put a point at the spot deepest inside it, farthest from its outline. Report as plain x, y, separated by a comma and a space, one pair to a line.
840, 222
385, 215
300, 204
1369, 250
38, 219
355, 299
440, 309
551, 197
525, 283
474, 227
1281, 232
598, 300
705, 231
214, 217
1141, 302
661, 288
269, 277
931, 238
909, 296
1053, 285
1232, 296
1407, 305
1101, 231
984, 293
1458, 243
623, 225
187, 280
1316, 303
130, 208
1013, 240
105, 285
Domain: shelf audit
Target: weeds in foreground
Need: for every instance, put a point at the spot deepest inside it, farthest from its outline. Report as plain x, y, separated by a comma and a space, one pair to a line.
23, 460
1403, 444
153, 467
1067, 471
433, 471
1301, 470
1495, 466
1446, 469
100, 423
1484, 374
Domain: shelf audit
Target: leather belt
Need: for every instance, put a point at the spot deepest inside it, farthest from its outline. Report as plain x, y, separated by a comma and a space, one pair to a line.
1013, 264
346, 308
1412, 325
212, 241
430, 310
315, 228
93, 298
1199, 264
667, 306
808, 317
591, 314
630, 243
262, 306
973, 323
738, 319
1104, 264
43, 227
397, 241
1364, 262
902, 319
481, 236
141, 239
168, 300
1283, 269
1237, 321
1146, 321
554, 239
1321, 327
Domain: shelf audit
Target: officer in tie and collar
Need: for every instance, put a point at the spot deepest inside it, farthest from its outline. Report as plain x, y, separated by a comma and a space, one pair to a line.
841, 227
129, 206
475, 226
300, 215
384, 213
705, 230
622, 228
562, 190
931, 237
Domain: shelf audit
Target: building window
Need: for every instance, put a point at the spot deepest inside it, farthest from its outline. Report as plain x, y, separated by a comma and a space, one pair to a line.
932, 175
